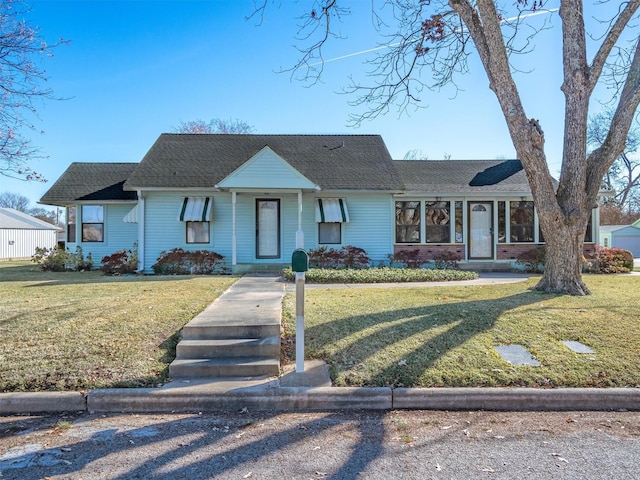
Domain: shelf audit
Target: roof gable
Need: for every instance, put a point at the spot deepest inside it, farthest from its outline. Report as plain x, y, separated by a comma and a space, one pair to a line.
332, 162
10, 218
266, 169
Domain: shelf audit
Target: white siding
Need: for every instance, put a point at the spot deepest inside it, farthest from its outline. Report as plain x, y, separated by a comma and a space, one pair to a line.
266, 170
164, 232
22, 243
370, 226
118, 235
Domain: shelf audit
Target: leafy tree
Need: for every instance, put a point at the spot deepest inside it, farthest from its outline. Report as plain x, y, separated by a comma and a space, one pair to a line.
429, 44
624, 175
21, 87
216, 125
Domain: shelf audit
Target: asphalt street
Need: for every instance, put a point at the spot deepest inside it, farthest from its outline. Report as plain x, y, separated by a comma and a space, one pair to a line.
316, 445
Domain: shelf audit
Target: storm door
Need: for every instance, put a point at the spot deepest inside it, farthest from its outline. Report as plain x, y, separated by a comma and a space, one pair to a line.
480, 230
267, 228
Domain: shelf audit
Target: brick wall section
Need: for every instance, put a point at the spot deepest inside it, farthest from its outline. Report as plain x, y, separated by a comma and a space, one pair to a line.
504, 251
431, 251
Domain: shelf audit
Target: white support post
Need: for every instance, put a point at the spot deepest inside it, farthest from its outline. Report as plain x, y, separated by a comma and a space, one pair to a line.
233, 229
299, 232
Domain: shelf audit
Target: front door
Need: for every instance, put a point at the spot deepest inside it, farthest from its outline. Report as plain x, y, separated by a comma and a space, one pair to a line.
480, 230
267, 228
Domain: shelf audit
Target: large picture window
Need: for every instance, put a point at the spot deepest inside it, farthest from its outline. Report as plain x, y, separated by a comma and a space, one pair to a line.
198, 232
437, 219
92, 223
522, 224
329, 232
408, 222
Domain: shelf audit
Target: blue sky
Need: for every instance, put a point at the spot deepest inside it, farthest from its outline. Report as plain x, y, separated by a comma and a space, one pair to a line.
134, 70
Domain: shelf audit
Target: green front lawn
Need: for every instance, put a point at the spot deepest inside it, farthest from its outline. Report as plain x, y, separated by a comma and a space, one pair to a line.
83, 330
444, 336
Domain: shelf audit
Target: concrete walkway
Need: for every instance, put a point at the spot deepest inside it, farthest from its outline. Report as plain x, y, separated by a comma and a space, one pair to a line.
260, 296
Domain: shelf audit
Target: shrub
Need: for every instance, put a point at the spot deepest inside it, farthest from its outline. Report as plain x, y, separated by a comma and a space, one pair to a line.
346, 257
120, 262
181, 262
532, 261
51, 260
77, 262
406, 258
446, 261
380, 275
613, 260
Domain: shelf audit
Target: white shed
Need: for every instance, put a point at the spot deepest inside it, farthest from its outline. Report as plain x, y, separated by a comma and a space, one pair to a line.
20, 234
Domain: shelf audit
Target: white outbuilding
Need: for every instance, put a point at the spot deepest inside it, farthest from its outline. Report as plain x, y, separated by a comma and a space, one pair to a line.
21, 233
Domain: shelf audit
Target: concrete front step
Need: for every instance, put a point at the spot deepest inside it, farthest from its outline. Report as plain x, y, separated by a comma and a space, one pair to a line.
229, 347
201, 331
254, 366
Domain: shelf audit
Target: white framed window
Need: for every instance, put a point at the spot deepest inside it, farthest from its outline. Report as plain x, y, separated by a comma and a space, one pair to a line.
198, 232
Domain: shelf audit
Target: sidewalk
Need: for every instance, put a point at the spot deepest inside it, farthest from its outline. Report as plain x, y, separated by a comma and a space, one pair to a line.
311, 389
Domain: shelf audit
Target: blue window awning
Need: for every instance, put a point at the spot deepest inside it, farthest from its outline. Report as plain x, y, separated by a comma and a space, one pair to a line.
331, 210
195, 209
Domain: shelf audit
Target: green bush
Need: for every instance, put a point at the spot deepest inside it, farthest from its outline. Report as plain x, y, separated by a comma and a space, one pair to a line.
51, 260
613, 260
380, 275
446, 261
181, 262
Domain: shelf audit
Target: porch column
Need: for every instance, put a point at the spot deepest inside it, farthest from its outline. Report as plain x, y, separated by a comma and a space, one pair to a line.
233, 229
140, 231
300, 233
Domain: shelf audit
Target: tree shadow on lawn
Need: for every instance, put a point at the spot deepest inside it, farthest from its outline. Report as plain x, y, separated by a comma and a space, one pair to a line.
413, 338
32, 273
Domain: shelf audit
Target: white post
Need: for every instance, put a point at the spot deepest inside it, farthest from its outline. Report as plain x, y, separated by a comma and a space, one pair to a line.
233, 229
299, 232
299, 322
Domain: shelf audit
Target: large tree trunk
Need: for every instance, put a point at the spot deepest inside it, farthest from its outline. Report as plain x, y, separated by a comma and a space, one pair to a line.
563, 262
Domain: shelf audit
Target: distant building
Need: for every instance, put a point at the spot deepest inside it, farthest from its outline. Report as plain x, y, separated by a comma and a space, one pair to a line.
622, 236
21, 234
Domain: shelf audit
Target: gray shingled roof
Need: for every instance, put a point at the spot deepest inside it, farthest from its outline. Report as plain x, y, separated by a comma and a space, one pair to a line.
463, 176
334, 162
91, 182
10, 218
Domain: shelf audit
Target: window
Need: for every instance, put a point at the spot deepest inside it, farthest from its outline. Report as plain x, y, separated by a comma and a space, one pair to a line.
197, 232
71, 224
459, 230
588, 236
92, 223
606, 242
438, 216
502, 222
329, 232
407, 222
521, 221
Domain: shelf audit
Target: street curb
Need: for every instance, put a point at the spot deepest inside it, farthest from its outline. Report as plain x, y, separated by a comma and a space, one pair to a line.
190, 399
517, 399
50, 402
256, 398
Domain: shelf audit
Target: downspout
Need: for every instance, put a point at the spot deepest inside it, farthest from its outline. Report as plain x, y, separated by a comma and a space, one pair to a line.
141, 210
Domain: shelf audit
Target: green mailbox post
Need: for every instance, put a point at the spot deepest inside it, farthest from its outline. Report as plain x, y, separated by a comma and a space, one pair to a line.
299, 264
299, 260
